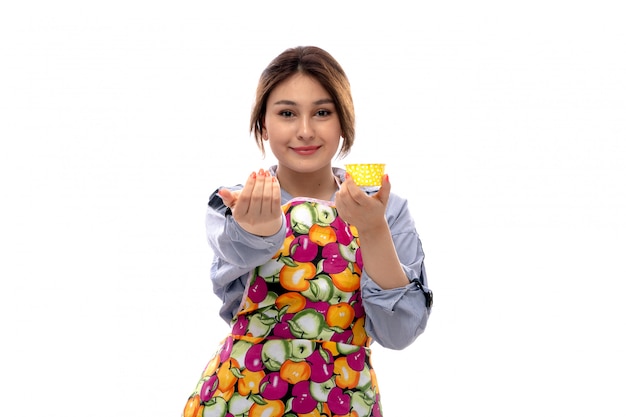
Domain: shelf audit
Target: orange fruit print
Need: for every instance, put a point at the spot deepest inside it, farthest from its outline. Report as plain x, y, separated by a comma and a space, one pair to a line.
322, 235
340, 315
295, 278
298, 345
346, 280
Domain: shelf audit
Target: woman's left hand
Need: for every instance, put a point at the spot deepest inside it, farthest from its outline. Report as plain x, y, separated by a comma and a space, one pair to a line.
359, 209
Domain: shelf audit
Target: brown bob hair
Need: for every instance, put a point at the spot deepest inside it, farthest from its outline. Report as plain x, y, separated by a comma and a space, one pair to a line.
314, 62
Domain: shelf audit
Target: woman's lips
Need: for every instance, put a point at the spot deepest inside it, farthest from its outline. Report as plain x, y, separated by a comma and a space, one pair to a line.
306, 150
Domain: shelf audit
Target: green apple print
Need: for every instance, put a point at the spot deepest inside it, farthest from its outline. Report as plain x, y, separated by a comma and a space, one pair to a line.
290, 334
240, 349
361, 403
325, 214
348, 252
275, 352
307, 324
365, 379
303, 216
269, 301
215, 407
301, 349
341, 296
270, 269
261, 323
321, 288
346, 349
238, 405
326, 333
320, 390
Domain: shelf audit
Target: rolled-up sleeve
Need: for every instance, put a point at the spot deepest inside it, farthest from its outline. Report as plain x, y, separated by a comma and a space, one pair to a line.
396, 317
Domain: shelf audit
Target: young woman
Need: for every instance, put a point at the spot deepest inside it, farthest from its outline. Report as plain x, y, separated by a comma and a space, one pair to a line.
310, 268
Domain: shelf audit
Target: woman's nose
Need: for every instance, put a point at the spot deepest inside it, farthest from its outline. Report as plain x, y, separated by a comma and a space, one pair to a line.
305, 129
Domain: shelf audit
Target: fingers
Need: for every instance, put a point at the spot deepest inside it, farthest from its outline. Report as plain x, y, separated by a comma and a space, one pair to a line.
256, 197
260, 194
245, 196
357, 205
276, 200
385, 189
228, 197
354, 191
263, 193
360, 197
258, 206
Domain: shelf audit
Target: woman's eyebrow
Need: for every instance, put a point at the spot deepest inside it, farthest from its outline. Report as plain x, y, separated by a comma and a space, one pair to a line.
284, 102
293, 103
324, 101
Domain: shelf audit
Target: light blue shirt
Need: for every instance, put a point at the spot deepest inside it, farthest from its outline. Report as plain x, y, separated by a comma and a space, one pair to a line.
394, 317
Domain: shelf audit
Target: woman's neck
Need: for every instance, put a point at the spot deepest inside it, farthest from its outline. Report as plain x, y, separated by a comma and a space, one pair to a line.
320, 185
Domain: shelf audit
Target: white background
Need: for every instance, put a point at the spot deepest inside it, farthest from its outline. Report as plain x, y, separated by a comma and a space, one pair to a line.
503, 123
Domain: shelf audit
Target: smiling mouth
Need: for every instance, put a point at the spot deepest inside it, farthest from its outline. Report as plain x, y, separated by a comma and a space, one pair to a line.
306, 150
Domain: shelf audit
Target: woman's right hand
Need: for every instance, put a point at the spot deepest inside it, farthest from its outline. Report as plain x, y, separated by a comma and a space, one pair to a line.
257, 206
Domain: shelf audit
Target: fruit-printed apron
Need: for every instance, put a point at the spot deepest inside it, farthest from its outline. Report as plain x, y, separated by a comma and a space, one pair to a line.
298, 345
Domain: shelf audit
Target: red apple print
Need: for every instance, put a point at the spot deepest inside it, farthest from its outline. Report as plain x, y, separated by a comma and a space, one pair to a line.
208, 388
319, 306
258, 290
322, 365
227, 348
344, 235
273, 387
303, 402
356, 360
282, 329
333, 261
288, 221
338, 402
359, 259
253, 360
376, 410
357, 304
302, 249
343, 337
241, 326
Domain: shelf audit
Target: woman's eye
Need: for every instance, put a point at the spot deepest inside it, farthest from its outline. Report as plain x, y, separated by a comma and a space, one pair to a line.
286, 113
323, 113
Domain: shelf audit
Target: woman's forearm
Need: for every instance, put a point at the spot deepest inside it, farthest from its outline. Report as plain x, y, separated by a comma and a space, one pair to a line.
380, 259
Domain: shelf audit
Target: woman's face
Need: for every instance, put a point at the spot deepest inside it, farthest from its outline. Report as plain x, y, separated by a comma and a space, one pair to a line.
302, 125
